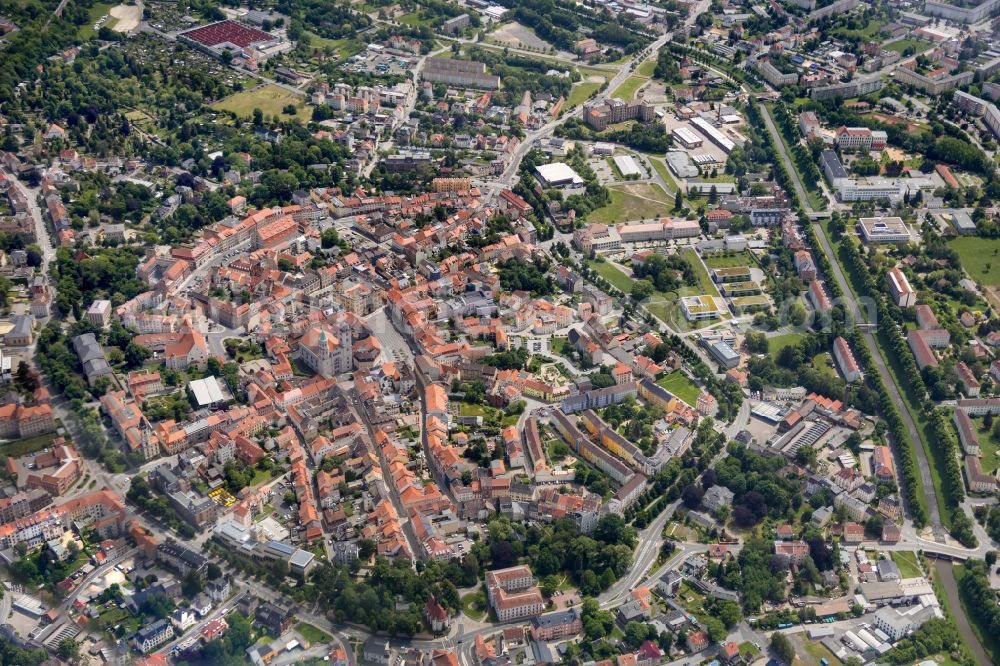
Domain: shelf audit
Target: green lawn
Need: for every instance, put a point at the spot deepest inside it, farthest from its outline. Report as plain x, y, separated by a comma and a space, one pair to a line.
640, 201
980, 258
646, 69
474, 605
679, 384
868, 33
776, 343
906, 42
558, 344
612, 274
20, 447
629, 87
907, 563
704, 281
989, 448
728, 260
413, 19
581, 92
260, 476
692, 601
473, 410
824, 363
312, 634
266, 511
819, 651
269, 98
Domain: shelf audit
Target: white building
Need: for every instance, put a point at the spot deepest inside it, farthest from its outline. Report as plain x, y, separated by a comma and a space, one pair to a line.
883, 229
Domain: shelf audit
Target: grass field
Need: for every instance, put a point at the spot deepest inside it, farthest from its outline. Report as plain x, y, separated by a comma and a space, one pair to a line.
980, 258
704, 281
557, 344
312, 634
344, 48
818, 651
907, 563
472, 410
728, 260
20, 447
679, 384
867, 33
581, 92
612, 274
413, 19
640, 201
905, 43
988, 448
474, 605
646, 69
692, 601
776, 343
630, 87
86, 30
269, 98
664, 171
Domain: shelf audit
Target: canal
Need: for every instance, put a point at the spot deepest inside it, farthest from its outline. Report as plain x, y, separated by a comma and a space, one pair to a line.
947, 577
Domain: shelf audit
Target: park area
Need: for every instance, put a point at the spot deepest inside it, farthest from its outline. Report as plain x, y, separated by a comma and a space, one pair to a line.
270, 99
637, 201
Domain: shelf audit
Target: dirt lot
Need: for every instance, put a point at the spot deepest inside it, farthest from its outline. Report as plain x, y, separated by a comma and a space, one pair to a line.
518, 36
128, 17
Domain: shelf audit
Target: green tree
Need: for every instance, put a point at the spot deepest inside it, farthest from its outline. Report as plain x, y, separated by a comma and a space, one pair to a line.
782, 647
68, 649
728, 612
191, 584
